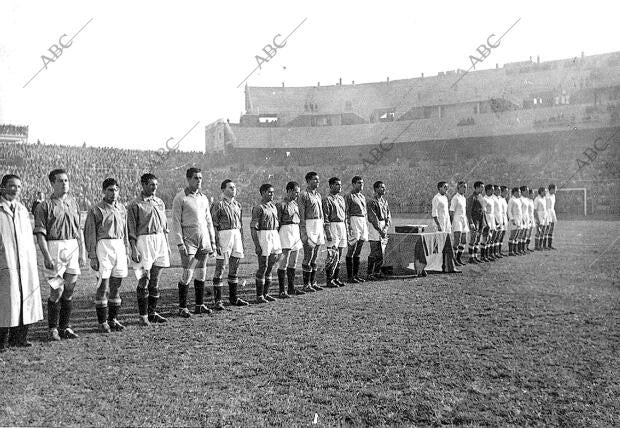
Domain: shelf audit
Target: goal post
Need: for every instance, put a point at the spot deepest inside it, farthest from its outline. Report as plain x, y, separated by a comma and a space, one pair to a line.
576, 192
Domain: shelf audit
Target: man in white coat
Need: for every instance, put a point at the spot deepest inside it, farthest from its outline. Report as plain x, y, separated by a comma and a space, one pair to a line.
20, 293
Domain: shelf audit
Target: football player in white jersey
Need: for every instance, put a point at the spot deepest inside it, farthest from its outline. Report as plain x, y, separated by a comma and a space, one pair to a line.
515, 222
499, 222
458, 218
525, 191
550, 200
542, 218
530, 213
503, 200
488, 233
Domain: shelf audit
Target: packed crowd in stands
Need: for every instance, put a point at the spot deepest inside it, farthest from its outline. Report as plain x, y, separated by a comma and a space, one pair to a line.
15, 130
411, 183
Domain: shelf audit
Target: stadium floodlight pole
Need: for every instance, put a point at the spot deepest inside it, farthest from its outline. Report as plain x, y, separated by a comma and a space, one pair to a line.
585, 197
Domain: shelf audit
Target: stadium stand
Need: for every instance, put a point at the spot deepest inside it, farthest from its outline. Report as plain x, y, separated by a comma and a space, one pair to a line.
411, 181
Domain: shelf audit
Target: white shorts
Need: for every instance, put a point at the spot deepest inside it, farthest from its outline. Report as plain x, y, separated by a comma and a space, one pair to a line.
289, 237
196, 239
338, 232
491, 223
552, 217
65, 254
231, 244
153, 251
112, 257
544, 218
269, 241
373, 234
459, 224
358, 230
517, 226
315, 232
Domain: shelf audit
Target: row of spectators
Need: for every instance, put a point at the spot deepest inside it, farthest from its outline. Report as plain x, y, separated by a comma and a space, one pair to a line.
411, 183
14, 130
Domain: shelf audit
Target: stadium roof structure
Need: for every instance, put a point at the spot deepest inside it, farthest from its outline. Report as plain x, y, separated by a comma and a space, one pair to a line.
513, 80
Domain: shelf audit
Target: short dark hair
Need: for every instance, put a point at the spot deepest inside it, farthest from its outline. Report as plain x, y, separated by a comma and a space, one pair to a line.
52, 175
496, 187
376, 184
291, 185
460, 183
478, 184
440, 184
355, 179
551, 186
488, 187
310, 175
264, 187
110, 182
514, 190
6, 178
191, 171
541, 190
523, 189
225, 183
333, 180
147, 177
502, 188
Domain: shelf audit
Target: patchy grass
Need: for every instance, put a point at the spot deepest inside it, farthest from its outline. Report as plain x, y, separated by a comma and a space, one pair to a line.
529, 340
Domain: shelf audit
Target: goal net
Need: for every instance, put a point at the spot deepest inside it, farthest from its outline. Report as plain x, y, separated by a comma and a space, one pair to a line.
572, 201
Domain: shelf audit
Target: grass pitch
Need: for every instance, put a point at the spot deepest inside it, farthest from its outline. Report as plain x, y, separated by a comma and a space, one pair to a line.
529, 340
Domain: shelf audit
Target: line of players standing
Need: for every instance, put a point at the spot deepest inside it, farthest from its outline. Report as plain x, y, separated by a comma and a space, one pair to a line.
302, 220
487, 214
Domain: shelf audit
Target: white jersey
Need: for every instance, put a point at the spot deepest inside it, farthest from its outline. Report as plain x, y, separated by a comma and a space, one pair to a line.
458, 206
489, 211
525, 211
439, 209
550, 202
504, 205
497, 210
540, 207
530, 211
515, 212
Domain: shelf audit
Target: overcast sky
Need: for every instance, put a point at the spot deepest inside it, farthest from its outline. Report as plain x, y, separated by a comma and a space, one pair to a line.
141, 72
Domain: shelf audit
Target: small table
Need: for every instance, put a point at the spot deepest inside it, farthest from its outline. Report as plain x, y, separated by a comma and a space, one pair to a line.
415, 253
